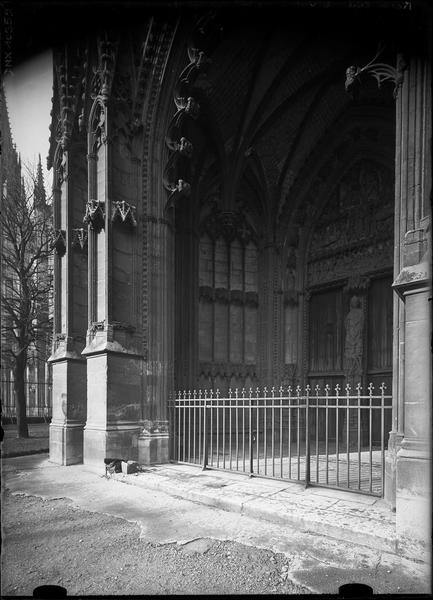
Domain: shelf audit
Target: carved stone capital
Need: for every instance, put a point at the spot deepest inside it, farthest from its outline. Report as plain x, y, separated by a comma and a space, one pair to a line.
237, 297
222, 295
157, 426
251, 299
95, 215
415, 246
413, 278
58, 243
79, 239
96, 326
206, 293
123, 212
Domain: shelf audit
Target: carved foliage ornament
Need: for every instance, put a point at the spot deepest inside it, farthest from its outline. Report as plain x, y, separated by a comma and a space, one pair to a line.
95, 215
96, 326
226, 369
224, 296
177, 172
58, 243
153, 427
123, 212
79, 238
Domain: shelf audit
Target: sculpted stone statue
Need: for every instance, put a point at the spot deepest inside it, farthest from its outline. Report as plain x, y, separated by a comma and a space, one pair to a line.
354, 325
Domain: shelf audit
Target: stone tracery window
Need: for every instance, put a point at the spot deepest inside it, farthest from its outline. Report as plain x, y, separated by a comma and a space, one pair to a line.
228, 305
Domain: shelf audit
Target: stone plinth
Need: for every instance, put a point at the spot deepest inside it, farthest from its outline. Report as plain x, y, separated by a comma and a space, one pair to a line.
111, 441
413, 500
69, 408
394, 444
66, 444
114, 389
153, 448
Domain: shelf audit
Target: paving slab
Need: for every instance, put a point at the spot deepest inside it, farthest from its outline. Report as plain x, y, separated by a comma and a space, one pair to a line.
343, 495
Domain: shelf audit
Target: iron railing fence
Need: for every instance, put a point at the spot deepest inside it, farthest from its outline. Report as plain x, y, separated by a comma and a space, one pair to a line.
38, 399
330, 439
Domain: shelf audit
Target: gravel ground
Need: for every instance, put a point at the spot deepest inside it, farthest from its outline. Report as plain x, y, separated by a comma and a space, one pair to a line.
52, 542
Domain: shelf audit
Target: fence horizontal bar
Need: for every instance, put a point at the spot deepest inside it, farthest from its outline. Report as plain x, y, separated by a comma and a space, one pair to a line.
301, 397
234, 407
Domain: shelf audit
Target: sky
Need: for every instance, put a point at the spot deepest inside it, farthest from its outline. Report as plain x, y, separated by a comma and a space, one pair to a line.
28, 90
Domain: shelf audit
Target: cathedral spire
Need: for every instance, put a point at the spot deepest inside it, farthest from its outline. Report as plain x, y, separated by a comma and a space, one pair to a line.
40, 198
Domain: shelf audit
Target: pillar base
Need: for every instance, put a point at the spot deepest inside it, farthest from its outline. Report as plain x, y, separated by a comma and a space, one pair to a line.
153, 448
394, 444
413, 503
66, 444
114, 392
113, 441
69, 409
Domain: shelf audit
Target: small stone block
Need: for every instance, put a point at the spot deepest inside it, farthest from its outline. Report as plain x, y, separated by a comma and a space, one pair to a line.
129, 467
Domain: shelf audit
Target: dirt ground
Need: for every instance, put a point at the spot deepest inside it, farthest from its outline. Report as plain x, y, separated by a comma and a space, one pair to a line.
38, 440
52, 542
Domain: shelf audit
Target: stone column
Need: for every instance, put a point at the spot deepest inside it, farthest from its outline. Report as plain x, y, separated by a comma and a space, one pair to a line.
153, 443
70, 309
270, 342
186, 291
409, 459
115, 378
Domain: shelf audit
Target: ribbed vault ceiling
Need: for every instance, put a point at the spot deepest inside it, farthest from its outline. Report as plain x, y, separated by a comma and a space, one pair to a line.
277, 92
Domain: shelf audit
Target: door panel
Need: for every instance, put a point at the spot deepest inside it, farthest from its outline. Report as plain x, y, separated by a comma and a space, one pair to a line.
325, 333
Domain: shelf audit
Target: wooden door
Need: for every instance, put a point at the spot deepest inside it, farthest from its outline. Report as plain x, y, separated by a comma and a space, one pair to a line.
325, 338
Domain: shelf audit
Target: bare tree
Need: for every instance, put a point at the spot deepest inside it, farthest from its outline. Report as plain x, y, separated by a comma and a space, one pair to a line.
26, 279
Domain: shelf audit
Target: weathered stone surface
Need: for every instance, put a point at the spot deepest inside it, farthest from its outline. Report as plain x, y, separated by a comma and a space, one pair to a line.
290, 198
66, 444
153, 448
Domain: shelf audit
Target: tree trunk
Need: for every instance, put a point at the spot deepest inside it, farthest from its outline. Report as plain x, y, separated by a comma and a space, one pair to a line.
20, 395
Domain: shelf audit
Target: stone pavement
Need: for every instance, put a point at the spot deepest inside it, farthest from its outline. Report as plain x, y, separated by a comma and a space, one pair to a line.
357, 518
181, 504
